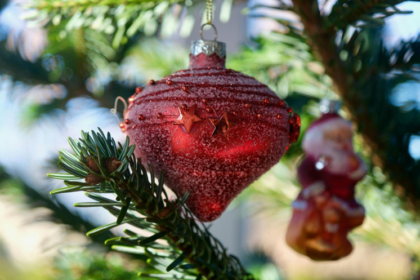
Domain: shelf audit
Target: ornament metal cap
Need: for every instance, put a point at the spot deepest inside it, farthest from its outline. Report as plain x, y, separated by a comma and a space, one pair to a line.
329, 106
208, 47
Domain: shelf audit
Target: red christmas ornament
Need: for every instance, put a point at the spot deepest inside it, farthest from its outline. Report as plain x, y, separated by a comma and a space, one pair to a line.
326, 210
216, 132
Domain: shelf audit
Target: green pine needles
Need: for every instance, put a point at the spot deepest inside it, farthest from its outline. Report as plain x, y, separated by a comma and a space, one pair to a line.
178, 247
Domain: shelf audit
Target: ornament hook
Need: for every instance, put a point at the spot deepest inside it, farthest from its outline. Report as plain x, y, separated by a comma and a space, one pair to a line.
329, 106
114, 110
215, 31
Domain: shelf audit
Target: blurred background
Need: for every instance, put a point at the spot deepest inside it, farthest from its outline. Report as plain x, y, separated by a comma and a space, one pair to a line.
58, 81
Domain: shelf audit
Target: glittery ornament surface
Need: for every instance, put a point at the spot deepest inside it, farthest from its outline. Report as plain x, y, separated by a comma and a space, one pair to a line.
212, 167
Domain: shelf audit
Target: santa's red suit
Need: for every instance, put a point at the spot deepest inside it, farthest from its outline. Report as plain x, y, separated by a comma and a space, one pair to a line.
326, 210
315, 180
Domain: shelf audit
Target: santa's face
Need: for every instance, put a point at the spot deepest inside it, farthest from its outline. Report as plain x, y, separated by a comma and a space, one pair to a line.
329, 137
339, 138
331, 142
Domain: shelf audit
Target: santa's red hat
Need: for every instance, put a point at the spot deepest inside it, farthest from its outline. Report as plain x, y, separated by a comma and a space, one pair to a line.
324, 119
314, 136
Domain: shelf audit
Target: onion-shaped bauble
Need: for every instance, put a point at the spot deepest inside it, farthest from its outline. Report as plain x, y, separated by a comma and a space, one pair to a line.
211, 130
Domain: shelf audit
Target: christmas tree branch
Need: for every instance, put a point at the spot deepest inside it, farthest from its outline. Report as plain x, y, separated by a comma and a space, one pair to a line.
121, 19
404, 57
349, 12
179, 247
15, 66
117, 20
81, 5
321, 41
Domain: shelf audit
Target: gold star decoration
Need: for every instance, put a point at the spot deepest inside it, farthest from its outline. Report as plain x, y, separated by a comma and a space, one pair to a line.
222, 125
187, 117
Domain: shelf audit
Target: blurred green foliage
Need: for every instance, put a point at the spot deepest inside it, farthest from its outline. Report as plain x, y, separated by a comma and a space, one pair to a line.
103, 49
80, 264
286, 64
21, 193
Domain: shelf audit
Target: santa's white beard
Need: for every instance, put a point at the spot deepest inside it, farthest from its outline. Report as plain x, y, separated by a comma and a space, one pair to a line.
339, 161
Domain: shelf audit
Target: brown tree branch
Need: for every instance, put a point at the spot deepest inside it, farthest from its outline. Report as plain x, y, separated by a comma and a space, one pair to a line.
321, 41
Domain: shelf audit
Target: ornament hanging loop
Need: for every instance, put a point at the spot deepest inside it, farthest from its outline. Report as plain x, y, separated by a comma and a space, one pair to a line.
214, 28
114, 110
209, 15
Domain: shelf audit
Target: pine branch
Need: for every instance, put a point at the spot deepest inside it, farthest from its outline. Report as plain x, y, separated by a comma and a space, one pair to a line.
189, 251
368, 12
119, 19
321, 41
284, 62
81, 5
404, 57
19, 69
280, 5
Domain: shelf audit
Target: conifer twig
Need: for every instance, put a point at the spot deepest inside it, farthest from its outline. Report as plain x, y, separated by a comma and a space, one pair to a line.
98, 166
80, 5
346, 12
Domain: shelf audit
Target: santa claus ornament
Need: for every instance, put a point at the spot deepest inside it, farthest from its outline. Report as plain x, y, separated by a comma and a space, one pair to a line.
326, 210
212, 131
